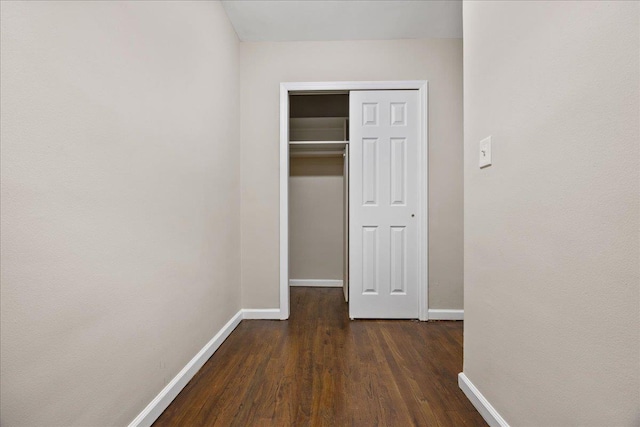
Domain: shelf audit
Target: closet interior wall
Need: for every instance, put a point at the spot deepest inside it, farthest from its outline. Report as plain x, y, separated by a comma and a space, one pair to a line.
316, 189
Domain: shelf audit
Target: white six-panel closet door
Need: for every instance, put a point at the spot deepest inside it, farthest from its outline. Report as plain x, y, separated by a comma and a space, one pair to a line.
383, 205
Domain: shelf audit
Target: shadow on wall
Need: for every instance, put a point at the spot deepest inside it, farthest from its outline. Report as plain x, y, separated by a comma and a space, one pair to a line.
316, 166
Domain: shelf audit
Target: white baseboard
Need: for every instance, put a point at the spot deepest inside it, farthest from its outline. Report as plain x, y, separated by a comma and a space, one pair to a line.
488, 412
316, 283
439, 314
261, 313
171, 390
166, 396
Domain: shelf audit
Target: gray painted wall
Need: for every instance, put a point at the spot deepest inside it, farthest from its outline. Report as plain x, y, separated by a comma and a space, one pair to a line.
552, 227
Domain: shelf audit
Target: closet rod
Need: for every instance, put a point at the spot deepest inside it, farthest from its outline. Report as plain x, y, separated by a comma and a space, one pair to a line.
319, 153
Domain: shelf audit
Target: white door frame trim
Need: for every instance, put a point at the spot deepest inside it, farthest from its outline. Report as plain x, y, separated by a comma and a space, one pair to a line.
423, 190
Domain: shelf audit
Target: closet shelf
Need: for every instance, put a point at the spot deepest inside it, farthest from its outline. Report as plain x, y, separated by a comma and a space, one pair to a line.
317, 153
317, 145
318, 129
317, 148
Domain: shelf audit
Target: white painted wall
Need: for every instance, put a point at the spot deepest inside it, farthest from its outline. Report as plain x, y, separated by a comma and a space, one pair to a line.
265, 65
552, 227
120, 208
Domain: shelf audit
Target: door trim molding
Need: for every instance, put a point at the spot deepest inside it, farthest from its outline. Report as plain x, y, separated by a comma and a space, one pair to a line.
423, 192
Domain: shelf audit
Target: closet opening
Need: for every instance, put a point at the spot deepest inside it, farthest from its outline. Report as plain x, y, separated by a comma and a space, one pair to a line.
318, 190
353, 195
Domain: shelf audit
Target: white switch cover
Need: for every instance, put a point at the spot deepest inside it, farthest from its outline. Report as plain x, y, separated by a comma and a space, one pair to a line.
485, 152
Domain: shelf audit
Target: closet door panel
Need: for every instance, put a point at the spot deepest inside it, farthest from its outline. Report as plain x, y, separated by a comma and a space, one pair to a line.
383, 203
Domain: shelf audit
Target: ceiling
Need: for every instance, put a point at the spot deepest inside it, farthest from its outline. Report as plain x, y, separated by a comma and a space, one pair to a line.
307, 20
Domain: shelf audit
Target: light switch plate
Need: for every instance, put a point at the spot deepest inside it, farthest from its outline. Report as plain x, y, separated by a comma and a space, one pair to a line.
485, 152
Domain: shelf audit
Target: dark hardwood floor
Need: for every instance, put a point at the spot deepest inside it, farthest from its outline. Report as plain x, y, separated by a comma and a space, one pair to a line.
318, 368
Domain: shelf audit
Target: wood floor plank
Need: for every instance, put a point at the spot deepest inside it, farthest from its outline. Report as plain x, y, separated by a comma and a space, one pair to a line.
321, 369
